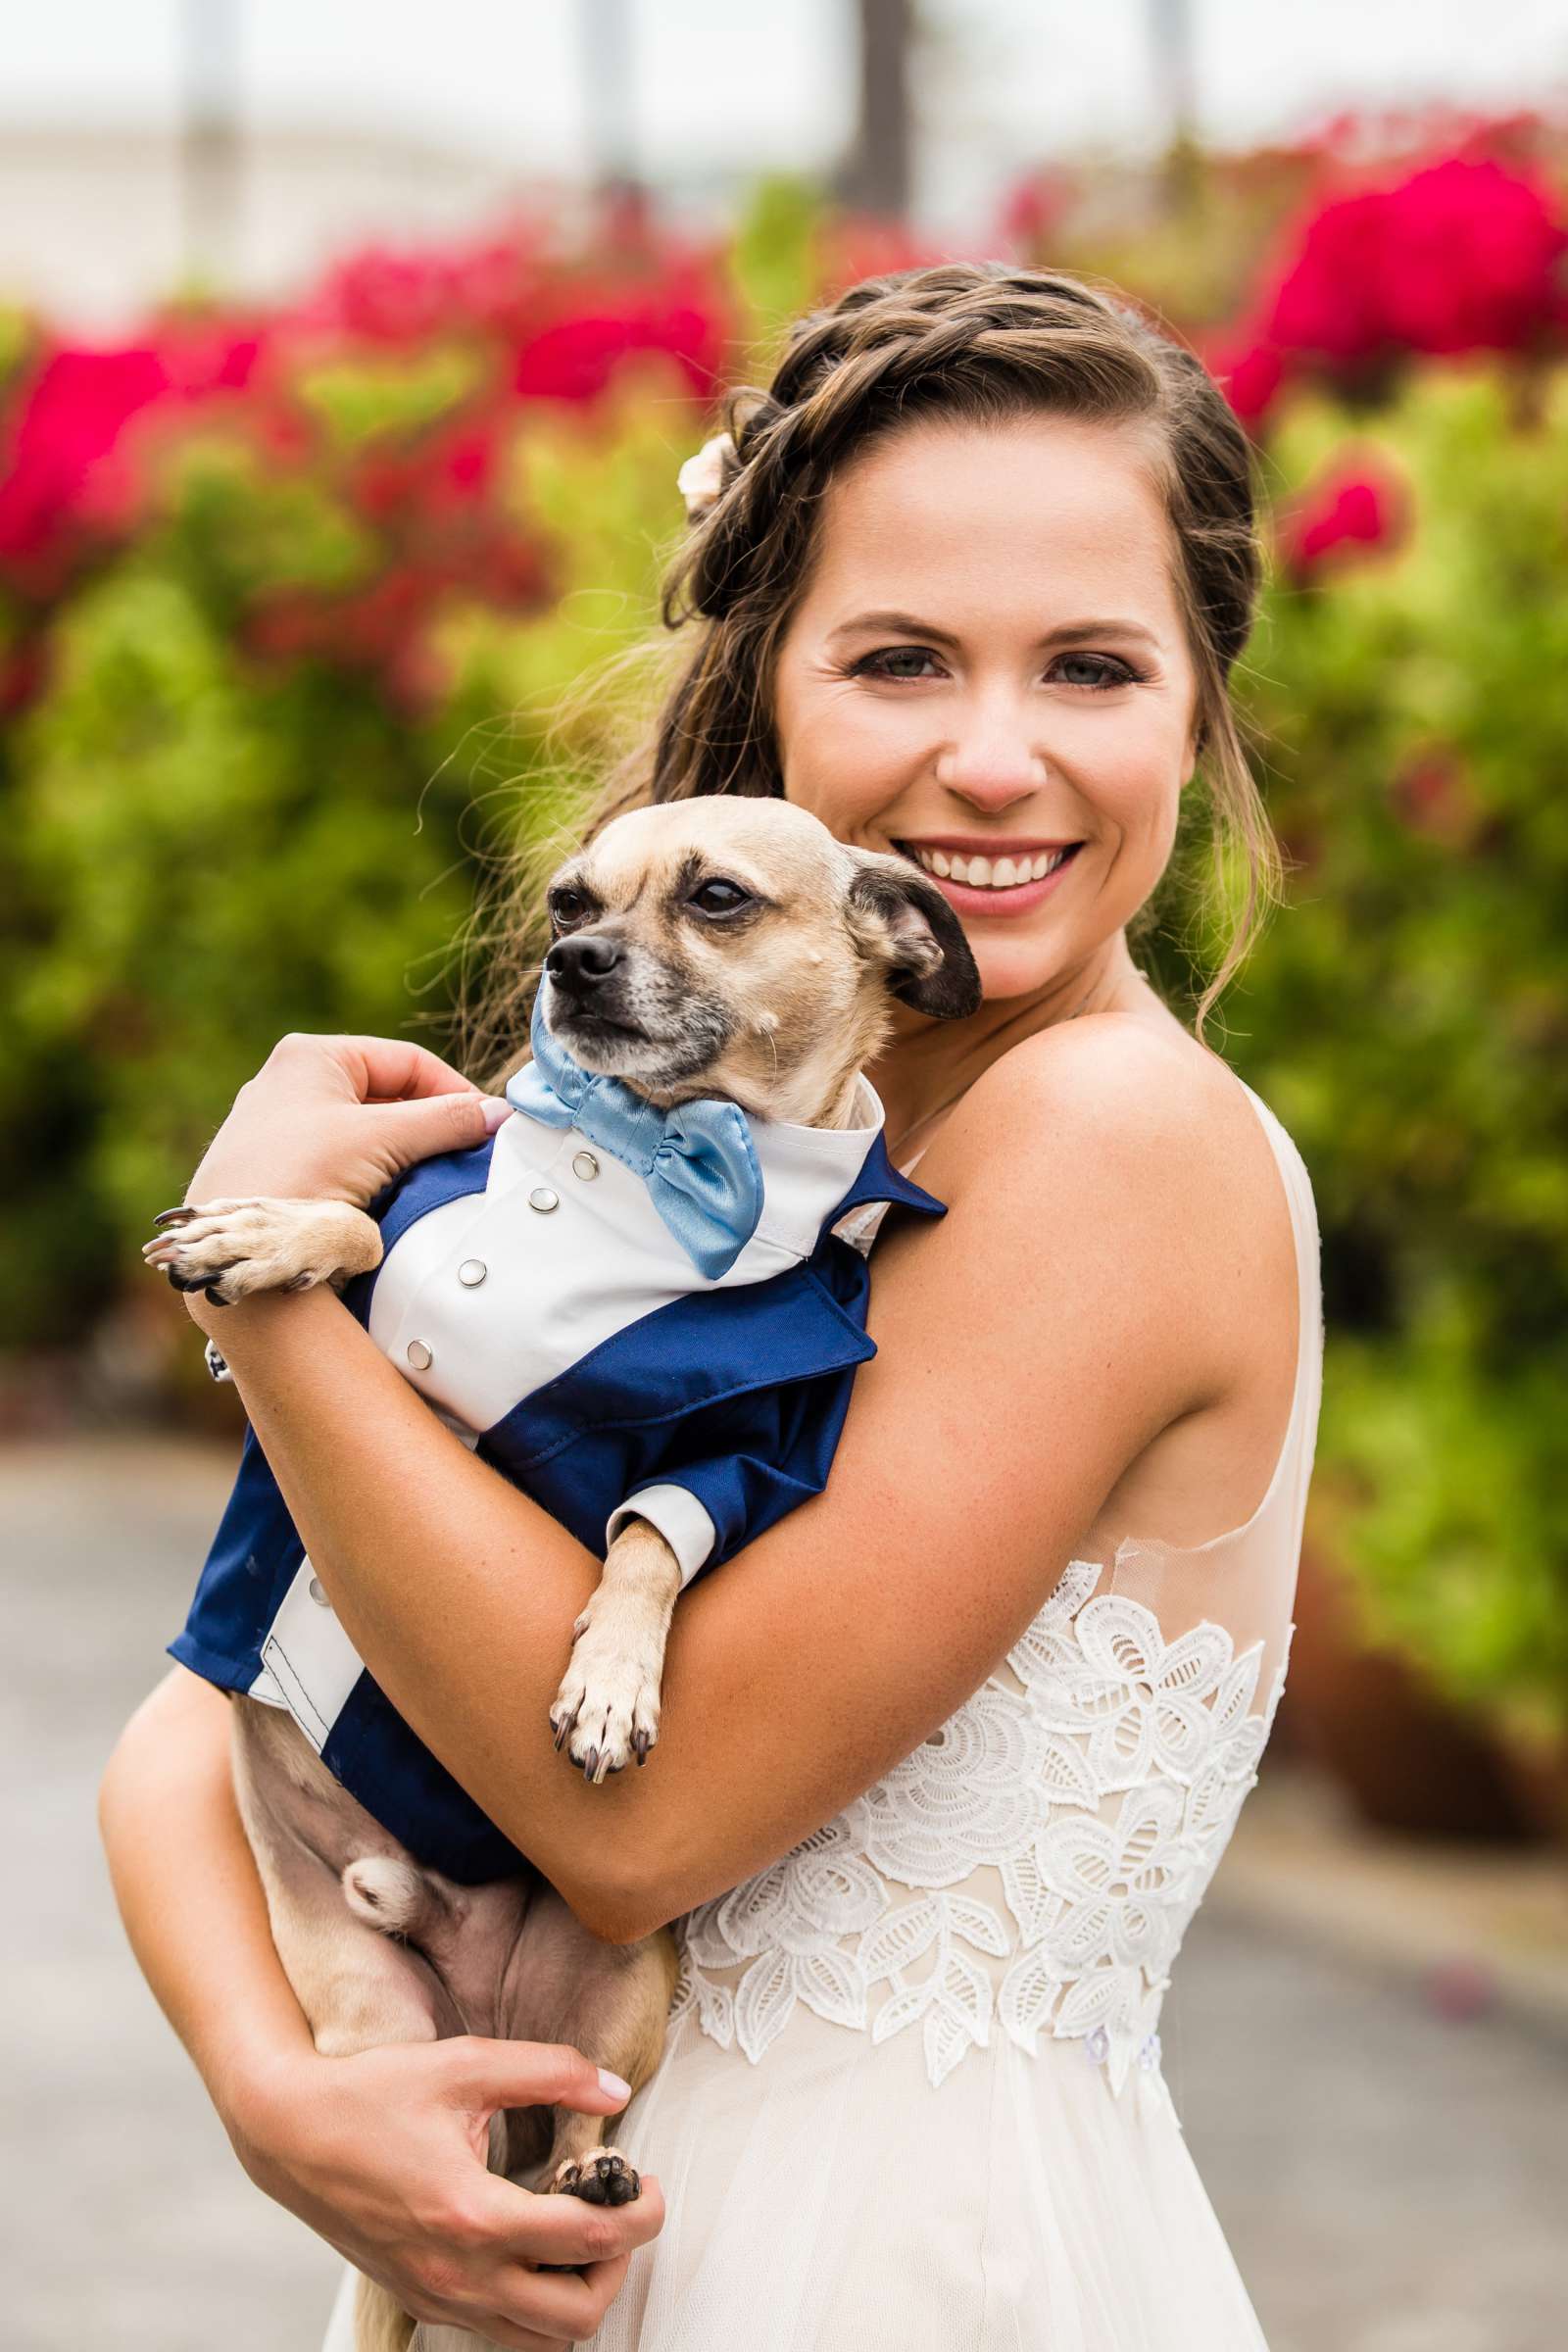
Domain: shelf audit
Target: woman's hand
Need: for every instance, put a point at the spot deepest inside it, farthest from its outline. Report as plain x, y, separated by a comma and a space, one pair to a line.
385, 2155
335, 1118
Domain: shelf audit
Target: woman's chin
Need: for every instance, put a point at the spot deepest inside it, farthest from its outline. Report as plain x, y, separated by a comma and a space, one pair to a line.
1013, 967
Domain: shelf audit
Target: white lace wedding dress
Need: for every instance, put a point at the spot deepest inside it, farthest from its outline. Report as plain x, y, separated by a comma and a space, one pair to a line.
912, 2099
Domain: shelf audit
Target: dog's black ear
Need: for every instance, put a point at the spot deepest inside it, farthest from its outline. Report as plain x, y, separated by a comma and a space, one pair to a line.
901, 915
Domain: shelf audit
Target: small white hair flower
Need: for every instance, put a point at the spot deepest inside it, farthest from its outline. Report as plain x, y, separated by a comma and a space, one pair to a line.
702, 477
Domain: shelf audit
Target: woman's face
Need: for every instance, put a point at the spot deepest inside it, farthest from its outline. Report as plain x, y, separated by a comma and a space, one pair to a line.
988, 668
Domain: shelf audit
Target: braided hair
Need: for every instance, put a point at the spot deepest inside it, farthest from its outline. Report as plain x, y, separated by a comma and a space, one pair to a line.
985, 342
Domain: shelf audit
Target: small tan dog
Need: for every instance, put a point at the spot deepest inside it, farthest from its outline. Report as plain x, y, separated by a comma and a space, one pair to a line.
722, 949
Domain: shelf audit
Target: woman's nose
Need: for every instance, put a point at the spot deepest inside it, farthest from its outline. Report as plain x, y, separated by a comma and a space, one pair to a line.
992, 765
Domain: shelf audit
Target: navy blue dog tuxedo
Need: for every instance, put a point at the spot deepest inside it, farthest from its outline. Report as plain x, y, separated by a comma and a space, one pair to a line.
560, 1312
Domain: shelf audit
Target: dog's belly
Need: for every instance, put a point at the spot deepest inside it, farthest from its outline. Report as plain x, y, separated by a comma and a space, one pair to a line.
471, 1935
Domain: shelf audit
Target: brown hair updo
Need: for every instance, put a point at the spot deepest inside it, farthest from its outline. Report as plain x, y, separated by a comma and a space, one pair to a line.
986, 342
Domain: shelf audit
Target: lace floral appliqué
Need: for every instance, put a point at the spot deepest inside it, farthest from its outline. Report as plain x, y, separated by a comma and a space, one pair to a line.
1102, 1792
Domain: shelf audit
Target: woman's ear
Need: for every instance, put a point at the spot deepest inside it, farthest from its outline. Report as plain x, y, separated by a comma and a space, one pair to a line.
901, 919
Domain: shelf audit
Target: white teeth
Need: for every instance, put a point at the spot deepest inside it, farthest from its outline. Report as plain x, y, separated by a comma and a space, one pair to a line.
985, 873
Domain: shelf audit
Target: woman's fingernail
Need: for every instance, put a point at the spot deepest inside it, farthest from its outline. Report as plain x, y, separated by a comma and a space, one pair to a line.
613, 2086
497, 1110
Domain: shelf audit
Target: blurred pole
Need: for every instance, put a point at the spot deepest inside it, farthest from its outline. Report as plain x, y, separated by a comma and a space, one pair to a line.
1171, 26
876, 175
608, 109
210, 149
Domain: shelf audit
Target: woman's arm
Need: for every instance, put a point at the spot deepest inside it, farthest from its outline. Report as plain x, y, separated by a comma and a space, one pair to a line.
189, 1894
382, 2154
1091, 1284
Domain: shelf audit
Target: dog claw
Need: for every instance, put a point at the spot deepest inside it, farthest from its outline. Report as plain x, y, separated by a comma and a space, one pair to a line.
565, 1727
605, 2178
642, 1744
173, 1216
589, 1762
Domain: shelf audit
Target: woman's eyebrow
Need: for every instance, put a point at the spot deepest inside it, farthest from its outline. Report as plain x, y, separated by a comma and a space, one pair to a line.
1069, 633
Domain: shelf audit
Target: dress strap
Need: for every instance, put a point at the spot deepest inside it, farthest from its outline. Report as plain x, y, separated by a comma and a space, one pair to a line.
1306, 1400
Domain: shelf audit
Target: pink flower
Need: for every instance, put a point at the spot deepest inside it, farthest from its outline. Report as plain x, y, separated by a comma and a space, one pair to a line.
69, 472
1250, 374
389, 297
574, 357
1462, 256
65, 437
1033, 209
1360, 503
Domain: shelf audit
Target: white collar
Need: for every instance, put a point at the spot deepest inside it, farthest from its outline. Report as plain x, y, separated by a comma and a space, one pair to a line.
808, 1170
805, 1170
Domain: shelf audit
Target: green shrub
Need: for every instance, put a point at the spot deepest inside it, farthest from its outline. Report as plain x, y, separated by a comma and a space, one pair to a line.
1407, 1016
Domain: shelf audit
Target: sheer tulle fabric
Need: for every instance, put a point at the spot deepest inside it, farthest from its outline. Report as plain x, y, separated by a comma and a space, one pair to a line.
913, 2095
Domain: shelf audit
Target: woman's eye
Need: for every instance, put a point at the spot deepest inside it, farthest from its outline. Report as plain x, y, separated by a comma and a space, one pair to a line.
871, 665
720, 897
1105, 671
1099, 671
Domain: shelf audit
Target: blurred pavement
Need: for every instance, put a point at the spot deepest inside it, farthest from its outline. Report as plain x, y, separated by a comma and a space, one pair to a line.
1383, 2173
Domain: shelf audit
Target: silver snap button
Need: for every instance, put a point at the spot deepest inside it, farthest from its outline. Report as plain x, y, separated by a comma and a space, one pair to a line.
317, 1593
585, 1165
544, 1199
419, 1355
471, 1272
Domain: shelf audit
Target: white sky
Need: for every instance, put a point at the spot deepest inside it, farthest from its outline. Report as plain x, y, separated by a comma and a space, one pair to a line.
730, 85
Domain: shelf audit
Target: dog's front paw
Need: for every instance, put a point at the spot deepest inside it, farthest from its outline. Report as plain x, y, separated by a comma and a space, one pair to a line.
606, 1708
604, 2178
231, 1249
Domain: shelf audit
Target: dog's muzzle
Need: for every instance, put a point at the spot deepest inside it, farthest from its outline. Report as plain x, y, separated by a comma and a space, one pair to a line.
591, 976
623, 1012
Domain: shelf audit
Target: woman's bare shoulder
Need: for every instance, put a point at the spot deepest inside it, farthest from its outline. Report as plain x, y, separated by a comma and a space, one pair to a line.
1139, 1086
1137, 1157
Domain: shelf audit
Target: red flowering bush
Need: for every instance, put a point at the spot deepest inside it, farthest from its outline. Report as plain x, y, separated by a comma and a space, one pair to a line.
387, 397
1408, 1016
261, 577
1466, 256
66, 480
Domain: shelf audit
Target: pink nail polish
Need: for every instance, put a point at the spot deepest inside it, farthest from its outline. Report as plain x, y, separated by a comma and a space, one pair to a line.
497, 1110
612, 2085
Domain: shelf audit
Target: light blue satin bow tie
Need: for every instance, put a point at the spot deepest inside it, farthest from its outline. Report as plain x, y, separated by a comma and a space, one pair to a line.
696, 1160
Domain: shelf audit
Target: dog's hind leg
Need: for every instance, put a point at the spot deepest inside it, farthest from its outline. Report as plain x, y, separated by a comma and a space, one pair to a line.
611, 2001
358, 1989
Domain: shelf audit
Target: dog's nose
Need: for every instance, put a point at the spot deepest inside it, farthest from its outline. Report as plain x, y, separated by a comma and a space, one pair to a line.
581, 961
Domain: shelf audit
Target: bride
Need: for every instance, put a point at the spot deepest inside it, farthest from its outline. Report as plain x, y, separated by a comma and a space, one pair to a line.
950, 1755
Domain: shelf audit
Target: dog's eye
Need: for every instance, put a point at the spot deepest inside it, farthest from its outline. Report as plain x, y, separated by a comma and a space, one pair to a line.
567, 908
720, 897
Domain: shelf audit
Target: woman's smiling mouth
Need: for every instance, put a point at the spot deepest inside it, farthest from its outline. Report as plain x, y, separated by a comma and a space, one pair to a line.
997, 877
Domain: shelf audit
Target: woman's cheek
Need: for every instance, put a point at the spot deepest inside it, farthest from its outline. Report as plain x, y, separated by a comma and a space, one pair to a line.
1136, 784
854, 762
845, 778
